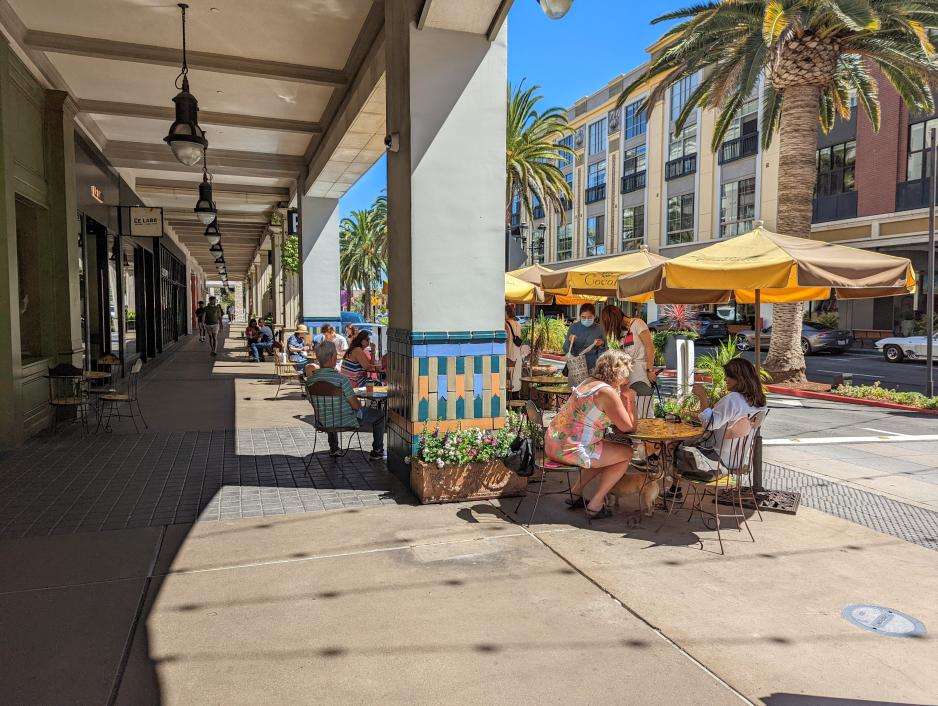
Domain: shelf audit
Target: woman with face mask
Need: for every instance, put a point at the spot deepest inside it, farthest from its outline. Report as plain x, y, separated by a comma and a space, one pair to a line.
584, 333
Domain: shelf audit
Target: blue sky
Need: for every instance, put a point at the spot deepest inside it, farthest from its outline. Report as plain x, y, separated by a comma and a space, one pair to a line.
568, 58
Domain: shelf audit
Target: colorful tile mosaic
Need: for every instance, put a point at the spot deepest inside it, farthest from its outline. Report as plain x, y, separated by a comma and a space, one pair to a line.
442, 378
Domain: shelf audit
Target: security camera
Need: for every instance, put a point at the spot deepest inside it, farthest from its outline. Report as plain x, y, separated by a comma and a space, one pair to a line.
392, 141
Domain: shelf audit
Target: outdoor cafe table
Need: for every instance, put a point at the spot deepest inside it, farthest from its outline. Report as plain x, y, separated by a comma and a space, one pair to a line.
545, 379
555, 392
96, 375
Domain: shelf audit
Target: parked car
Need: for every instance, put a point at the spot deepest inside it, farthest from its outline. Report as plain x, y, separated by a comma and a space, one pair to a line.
815, 338
710, 327
897, 348
523, 320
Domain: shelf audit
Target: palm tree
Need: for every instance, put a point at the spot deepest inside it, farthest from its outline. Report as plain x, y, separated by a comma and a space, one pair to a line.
815, 55
362, 244
533, 153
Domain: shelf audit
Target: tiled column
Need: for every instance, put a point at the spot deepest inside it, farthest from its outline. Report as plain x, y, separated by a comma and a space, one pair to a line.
319, 220
446, 90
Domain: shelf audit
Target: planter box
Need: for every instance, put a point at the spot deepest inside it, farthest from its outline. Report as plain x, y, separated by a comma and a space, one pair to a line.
453, 484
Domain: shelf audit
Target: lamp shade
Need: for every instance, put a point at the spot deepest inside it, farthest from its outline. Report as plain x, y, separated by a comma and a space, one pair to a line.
185, 136
205, 206
555, 9
212, 234
216, 248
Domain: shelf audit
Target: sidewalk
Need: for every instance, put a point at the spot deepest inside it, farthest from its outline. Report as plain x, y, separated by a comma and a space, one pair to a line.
335, 588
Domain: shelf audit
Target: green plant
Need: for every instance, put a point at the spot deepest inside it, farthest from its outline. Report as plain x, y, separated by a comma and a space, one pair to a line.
463, 446
828, 319
131, 315
877, 392
680, 317
290, 253
362, 253
544, 334
919, 327
815, 60
660, 340
711, 364
686, 408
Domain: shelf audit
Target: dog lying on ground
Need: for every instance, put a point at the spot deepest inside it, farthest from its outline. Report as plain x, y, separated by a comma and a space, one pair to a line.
638, 481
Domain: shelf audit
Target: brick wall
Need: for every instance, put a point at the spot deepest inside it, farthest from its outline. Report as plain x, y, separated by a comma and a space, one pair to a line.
881, 155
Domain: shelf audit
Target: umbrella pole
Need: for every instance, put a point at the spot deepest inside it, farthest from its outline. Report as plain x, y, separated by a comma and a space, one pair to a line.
757, 441
758, 328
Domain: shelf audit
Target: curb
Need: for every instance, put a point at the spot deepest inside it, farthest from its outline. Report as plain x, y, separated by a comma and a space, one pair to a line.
807, 394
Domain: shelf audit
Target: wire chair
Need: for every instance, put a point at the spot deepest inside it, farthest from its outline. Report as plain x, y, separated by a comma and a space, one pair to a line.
329, 404
68, 389
112, 402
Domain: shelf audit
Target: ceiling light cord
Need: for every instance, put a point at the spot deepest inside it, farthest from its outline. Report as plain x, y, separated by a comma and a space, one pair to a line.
184, 74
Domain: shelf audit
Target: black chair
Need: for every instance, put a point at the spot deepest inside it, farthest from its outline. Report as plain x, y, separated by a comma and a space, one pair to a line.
329, 402
68, 389
111, 402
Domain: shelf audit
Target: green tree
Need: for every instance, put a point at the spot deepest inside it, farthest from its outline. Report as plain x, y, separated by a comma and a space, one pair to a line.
362, 253
815, 55
533, 153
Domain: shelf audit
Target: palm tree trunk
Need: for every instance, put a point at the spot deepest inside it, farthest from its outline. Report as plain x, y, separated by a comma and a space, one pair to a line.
796, 177
348, 297
367, 307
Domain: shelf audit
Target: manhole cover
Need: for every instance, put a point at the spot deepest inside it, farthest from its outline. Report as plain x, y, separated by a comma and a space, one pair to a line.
883, 621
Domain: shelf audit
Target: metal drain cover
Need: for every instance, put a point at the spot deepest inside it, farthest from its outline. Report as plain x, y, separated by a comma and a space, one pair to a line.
883, 621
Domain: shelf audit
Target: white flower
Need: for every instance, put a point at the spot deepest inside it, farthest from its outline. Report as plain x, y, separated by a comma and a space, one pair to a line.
439, 463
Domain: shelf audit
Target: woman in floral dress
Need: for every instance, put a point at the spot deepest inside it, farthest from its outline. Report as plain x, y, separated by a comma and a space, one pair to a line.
575, 436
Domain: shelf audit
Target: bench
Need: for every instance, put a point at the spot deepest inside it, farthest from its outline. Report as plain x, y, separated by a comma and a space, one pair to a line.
862, 335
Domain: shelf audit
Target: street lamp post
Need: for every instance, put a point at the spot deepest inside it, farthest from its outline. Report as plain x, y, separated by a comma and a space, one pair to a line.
930, 277
539, 247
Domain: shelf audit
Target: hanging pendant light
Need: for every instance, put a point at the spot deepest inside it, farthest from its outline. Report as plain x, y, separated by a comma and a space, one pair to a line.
205, 206
212, 234
555, 9
216, 248
185, 136
220, 257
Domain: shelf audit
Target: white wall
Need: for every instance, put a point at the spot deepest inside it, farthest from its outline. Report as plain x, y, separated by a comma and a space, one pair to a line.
319, 220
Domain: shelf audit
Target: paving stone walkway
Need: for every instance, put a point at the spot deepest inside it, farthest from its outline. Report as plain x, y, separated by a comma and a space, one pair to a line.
68, 484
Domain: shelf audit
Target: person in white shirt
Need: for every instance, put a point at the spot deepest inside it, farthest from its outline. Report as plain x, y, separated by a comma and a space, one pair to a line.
744, 400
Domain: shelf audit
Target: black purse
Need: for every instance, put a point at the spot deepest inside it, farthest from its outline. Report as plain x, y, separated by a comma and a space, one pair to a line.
520, 458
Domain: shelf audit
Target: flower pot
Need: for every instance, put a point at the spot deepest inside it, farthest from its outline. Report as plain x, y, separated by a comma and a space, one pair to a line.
473, 481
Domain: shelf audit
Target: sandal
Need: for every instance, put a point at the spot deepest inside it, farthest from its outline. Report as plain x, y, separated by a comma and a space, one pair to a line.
576, 504
599, 514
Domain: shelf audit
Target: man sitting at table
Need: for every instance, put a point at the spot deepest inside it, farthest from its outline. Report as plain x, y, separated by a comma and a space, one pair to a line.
345, 411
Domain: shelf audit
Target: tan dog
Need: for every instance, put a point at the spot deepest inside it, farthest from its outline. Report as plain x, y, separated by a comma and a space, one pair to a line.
646, 484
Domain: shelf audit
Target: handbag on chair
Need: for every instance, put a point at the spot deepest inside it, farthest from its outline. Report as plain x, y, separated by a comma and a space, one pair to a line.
577, 367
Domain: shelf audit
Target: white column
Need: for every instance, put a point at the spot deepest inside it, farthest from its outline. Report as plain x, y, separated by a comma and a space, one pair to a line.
319, 221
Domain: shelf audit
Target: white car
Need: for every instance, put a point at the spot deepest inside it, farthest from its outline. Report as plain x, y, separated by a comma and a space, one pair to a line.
898, 348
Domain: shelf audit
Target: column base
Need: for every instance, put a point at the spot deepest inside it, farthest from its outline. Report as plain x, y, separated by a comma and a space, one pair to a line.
442, 380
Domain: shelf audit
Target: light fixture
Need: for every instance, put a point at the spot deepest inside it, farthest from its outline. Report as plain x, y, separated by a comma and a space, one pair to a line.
220, 257
555, 9
212, 234
185, 136
205, 206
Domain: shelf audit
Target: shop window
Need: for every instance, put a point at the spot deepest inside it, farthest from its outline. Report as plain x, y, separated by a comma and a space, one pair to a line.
29, 274
737, 207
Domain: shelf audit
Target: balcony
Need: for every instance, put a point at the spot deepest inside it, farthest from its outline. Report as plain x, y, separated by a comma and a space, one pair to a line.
680, 167
744, 146
633, 182
912, 194
834, 207
537, 212
596, 193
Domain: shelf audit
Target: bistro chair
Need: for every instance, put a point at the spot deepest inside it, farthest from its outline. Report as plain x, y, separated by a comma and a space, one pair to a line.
286, 374
735, 462
329, 404
68, 390
107, 363
113, 401
543, 465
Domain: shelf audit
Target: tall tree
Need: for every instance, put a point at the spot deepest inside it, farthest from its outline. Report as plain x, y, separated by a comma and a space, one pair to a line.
533, 153
814, 55
362, 249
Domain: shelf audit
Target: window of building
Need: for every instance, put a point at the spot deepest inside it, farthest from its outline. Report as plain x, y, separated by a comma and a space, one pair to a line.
567, 205
634, 120
681, 219
595, 236
684, 143
565, 241
566, 157
596, 174
919, 137
746, 121
680, 92
633, 228
836, 169
515, 209
737, 207
634, 160
597, 136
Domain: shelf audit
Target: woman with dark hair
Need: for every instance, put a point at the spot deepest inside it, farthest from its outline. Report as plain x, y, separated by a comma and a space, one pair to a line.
513, 350
583, 334
357, 364
634, 338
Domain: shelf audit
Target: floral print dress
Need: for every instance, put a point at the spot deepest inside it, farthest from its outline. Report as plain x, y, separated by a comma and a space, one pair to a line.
575, 436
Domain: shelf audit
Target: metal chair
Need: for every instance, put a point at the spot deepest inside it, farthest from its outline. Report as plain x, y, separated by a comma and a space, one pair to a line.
286, 373
543, 465
68, 389
329, 404
735, 461
112, 401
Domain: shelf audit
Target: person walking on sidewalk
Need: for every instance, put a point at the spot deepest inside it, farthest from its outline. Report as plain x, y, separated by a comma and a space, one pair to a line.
200, 319
213, 316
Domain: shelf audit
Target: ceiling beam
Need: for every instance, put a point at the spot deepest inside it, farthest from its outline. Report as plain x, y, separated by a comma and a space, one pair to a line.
218, 187
168, 56
501, 14
142, 155
206, 117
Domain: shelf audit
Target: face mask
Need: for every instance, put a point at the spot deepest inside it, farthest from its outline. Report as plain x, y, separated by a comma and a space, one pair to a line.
587, 322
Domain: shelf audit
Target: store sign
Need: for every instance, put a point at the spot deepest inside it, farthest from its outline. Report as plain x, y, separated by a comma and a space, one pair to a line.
293, 221
97, 194
146, 222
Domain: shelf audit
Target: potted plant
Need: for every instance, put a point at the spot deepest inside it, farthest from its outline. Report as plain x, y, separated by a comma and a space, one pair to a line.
712, 364
543, 334
465, 464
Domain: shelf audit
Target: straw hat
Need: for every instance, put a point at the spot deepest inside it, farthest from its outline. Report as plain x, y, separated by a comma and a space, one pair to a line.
301, 328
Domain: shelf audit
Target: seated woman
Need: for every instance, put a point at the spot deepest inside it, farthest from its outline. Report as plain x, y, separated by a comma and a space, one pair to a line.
575, 436
357, 364
745, 399
252, 335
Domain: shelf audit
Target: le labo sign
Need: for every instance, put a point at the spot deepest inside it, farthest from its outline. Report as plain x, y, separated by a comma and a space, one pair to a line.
146, 222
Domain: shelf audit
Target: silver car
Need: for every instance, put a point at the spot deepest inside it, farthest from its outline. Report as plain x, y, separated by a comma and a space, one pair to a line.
897, 348
814, 339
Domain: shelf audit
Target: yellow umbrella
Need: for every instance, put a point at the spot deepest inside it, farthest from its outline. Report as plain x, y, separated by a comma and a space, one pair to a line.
518, 291
599, 278
531, 273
